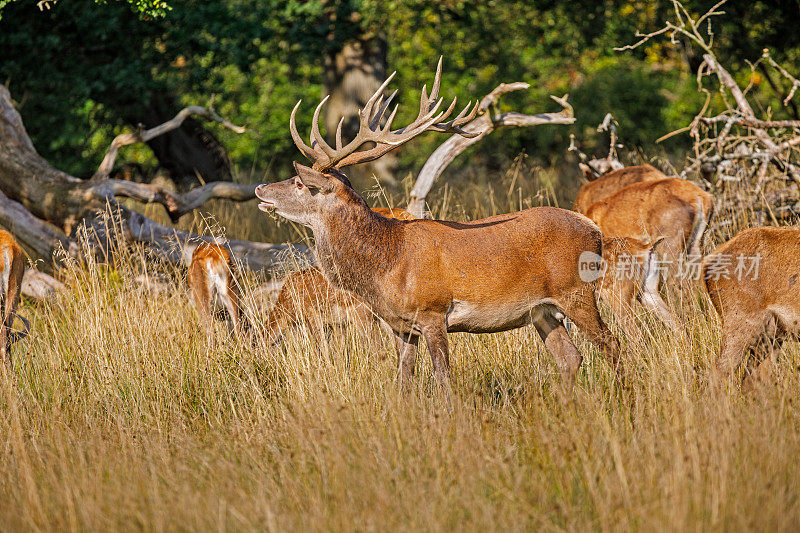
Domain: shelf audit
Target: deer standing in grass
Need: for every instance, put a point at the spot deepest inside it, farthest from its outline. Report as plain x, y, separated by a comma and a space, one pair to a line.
12, 270
426, 278
306, 298
753, 281
632, 275
672, 208
211, 280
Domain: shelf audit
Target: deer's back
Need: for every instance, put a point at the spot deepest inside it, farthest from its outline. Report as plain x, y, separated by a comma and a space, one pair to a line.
644, 210
604, 186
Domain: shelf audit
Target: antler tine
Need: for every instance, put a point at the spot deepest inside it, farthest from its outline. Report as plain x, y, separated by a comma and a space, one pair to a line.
370, 104
448, 112
339, 134
426, 102
437, 80
298, 140
452, 126
388, 127
462, 118
423, 121
376, 120
316, 136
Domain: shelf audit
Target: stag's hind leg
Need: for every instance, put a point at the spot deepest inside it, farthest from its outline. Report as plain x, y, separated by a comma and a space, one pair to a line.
581, 309
435, 335
555, 338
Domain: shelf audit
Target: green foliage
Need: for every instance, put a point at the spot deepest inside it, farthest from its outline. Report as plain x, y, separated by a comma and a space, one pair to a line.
145, 9
82, 73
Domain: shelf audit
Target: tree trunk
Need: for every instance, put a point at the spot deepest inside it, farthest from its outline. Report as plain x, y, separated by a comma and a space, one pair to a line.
352, 75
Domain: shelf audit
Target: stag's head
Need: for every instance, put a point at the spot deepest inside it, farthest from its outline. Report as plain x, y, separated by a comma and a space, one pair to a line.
323, 186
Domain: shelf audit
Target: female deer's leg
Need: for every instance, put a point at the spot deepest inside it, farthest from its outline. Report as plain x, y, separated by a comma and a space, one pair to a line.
738, 336
233, 305
582, 310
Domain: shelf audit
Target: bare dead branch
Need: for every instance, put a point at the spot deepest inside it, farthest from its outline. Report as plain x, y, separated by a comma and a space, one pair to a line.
485, 123
784, 73
176, 204
169, 243
751, 123
41, 205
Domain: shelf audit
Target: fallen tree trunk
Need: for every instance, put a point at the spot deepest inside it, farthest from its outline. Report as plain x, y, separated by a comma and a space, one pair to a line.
43, 206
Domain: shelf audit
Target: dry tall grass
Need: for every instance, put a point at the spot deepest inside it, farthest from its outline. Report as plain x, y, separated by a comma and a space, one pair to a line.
119, 416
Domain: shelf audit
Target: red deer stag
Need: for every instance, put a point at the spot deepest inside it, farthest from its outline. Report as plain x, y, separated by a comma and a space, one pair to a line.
12, 269
673, 208
753, 281
211, 280
429, 277
306, 298
599, 189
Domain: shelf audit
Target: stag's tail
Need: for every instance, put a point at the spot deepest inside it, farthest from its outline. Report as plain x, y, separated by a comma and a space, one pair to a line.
16, 336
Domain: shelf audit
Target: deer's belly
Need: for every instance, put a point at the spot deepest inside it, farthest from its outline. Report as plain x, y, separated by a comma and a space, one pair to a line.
475, 318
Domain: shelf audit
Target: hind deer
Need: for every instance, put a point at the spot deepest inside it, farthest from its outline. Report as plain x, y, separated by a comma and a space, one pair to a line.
426, 278
211, 280
12, 269
753, 281
600, 188
673, 208
632, 275
306, 298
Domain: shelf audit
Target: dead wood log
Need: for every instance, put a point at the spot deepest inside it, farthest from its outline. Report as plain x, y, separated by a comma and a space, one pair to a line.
44, 206
37, 285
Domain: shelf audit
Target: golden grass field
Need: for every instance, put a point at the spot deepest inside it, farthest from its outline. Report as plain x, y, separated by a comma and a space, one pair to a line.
118, 415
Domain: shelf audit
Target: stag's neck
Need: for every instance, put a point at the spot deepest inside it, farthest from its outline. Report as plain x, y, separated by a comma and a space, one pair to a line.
354, 246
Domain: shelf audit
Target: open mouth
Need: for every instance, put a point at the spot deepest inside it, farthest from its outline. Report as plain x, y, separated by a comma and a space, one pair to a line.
267, 207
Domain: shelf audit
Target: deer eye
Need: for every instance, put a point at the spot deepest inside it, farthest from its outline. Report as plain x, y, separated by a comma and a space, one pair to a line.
299, 184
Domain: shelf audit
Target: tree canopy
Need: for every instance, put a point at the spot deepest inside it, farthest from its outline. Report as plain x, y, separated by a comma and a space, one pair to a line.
142, 58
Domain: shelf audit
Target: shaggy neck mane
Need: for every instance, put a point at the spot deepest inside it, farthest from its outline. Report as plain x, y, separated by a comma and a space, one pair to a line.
354, 244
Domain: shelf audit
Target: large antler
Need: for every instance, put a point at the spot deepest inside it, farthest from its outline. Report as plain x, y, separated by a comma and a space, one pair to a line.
429, 119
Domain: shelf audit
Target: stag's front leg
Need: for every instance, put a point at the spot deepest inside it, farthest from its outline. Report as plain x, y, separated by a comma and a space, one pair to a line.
436, 338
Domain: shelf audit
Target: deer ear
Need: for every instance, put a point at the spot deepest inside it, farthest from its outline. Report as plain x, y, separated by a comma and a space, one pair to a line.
314, 179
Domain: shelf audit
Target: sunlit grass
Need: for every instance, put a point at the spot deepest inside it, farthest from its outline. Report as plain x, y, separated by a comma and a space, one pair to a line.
118, 415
